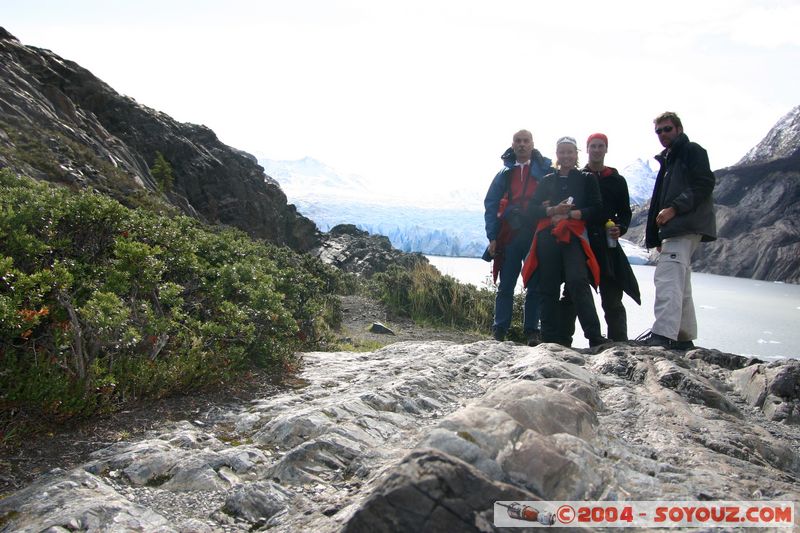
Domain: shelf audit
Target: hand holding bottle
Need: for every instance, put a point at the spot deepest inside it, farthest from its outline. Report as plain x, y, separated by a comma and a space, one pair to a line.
562, 208
612, 234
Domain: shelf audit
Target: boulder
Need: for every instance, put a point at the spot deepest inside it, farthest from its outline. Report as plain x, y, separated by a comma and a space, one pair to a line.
353, 250
773, 388
379, 328
432, 491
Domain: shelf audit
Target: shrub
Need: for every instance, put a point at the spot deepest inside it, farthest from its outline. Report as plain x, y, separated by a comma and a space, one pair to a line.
101, 304
425, 295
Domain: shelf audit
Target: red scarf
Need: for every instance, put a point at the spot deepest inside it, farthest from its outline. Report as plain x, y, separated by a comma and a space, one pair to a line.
562, 231
521, 188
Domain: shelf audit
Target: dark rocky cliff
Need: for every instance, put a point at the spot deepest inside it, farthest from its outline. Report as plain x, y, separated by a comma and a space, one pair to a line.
58, 122
758, 211
758, 222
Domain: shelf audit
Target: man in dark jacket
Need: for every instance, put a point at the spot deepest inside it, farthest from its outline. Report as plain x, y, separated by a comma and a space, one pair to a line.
616, 275
510, 233
681, 216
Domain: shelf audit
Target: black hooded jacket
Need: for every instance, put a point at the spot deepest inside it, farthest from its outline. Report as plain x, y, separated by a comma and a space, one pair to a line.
684, 182
616, 207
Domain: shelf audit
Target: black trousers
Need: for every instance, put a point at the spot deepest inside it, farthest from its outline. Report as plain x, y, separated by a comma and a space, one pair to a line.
564, 262
615, 314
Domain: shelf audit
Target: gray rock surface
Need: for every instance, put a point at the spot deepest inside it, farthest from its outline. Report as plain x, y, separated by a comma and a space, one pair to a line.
427, 436
432, 491
774, 388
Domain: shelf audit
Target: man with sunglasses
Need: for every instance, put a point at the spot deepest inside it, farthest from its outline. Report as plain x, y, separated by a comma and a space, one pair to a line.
681, 216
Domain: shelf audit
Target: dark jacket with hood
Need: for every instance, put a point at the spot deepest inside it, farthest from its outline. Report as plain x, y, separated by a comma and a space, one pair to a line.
500, 187
617, 208
583, 188
684, 182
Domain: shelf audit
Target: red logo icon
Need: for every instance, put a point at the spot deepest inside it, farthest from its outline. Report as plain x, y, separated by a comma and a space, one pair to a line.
565, 514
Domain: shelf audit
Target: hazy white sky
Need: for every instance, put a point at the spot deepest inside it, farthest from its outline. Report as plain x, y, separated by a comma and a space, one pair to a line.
430, 92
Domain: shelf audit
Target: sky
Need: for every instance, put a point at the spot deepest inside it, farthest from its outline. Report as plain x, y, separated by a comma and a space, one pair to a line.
423, 96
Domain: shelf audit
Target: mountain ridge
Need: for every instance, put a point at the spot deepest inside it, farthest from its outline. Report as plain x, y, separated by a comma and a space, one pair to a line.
782, 140
60, 123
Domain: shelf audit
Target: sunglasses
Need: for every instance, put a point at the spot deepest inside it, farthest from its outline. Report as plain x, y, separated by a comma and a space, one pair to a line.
665, 129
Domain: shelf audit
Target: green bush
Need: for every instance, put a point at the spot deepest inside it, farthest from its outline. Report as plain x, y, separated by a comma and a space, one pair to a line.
425, 295
101, 304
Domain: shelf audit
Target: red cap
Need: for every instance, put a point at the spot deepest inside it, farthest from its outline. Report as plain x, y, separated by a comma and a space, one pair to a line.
600, 136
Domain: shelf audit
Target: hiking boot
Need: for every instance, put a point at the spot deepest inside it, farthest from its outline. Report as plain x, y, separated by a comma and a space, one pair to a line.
534, 337
654, 339
682, 345
597, 341
499, 334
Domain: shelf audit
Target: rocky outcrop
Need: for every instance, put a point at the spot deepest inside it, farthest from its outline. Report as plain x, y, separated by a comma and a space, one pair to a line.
59, 122
758, 222
427, 436
354, 250
757, 206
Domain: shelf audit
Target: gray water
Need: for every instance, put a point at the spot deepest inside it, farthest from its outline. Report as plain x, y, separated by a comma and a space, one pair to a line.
737, 315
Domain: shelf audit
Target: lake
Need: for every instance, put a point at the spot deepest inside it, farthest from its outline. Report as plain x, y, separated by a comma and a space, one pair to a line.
736, 315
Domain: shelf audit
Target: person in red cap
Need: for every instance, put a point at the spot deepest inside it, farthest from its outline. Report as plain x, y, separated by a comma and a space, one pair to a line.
616, 275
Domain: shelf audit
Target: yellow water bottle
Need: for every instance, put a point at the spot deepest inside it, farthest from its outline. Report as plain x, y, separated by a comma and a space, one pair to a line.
612, 242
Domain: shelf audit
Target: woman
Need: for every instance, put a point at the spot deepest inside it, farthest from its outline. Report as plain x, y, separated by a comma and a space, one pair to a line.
563, 204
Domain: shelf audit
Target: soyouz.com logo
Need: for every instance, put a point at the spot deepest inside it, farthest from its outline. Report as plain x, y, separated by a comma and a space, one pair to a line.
705, 514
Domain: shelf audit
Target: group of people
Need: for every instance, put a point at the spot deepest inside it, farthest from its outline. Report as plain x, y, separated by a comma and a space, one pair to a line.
559, 225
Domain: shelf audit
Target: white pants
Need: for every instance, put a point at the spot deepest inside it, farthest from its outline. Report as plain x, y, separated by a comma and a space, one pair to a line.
674, 307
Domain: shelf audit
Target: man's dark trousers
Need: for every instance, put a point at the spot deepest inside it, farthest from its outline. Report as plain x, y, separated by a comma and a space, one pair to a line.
514, 254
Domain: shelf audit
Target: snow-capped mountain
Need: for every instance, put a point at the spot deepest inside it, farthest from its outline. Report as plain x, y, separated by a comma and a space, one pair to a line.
641, 177
783, 140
